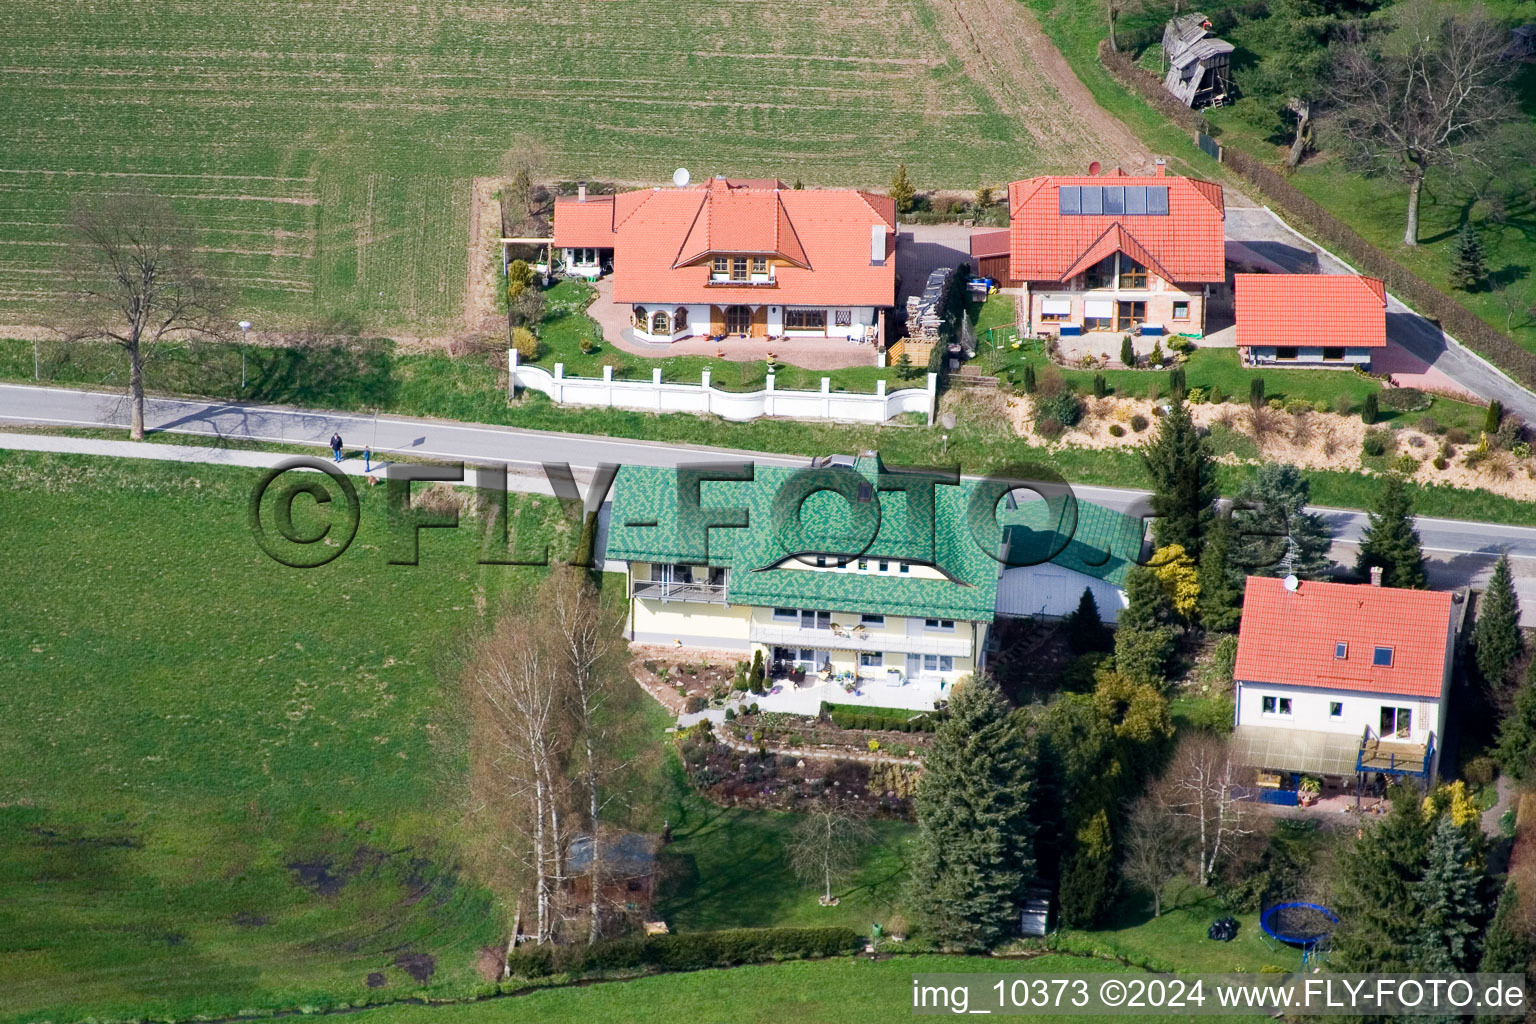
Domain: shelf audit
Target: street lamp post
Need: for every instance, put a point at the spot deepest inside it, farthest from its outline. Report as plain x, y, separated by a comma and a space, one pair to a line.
245, 326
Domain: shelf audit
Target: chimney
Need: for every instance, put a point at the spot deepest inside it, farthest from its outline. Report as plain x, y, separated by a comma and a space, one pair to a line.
1375, 575
1162, 166
877, 245
581, 191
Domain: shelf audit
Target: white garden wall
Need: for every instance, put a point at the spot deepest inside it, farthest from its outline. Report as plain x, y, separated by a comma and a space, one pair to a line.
656, 395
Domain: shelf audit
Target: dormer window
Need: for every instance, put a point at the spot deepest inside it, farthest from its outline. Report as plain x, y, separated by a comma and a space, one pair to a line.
721, 266
1382, 657
739, 271
759, 264
1340, 650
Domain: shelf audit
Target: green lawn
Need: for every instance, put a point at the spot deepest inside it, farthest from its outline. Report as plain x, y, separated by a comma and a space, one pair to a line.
328, 152
1178, 941
224, 783
567, 326
824, 992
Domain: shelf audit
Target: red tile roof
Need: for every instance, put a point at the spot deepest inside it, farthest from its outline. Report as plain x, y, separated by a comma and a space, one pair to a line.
989, 243
825, 233
1340, 309
1289, 638
1187, 242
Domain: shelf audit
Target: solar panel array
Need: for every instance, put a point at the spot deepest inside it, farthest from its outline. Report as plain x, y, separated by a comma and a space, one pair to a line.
1113, 200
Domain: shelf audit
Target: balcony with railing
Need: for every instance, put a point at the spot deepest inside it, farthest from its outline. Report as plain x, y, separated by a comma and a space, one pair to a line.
842, 638
672, 587
1391, 755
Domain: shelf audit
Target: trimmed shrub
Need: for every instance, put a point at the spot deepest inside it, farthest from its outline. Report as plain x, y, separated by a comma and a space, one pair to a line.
1139, 423
1405, 400
695, 705
1100, 386
1441, 462
1321, 405
527, 343
1218, 396
1371, 410
1063, 407
1127, 351
1494, 415
1375, 443
1116, 430
694, 951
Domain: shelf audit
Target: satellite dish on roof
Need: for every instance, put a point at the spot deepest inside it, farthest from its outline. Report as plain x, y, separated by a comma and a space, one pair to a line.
1291, 583
680, 177
1094, 168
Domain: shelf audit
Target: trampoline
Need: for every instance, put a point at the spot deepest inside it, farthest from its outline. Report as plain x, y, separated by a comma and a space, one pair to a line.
1305, 925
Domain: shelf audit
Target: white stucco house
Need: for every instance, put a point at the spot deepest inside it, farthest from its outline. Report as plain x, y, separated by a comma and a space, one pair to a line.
742, 257
1343, 682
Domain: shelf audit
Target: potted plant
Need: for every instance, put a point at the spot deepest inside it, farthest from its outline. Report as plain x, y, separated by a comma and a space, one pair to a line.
1308, 791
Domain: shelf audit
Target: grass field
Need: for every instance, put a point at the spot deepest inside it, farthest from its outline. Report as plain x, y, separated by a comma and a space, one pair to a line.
329, 151
226, 785
826, 992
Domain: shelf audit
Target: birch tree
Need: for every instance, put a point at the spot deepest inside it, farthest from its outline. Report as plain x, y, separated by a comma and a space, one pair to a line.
828, 845
519, 685
135, 276
1198, 792
1155, 847
585, 641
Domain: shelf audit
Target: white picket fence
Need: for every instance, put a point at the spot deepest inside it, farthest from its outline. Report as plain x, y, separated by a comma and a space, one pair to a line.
656, 395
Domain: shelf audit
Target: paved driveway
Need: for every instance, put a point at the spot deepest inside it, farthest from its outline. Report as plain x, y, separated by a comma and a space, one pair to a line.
923, 248
1417, 350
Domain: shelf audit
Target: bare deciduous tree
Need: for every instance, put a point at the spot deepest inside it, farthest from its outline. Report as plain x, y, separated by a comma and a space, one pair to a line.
1423, 95
521, 164
1155, 847
588, 642
518, 683
827, 846
136, 277
1198, 792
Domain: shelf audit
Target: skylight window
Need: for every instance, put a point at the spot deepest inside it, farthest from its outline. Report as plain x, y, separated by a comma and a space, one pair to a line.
1382, 657
1341, 650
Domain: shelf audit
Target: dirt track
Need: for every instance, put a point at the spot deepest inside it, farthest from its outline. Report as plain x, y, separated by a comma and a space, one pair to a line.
1028, 77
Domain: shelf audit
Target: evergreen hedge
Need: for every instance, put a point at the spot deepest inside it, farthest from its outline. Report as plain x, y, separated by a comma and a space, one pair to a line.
693, 951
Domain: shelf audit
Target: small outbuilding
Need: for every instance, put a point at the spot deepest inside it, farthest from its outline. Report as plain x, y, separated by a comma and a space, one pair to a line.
1199, 64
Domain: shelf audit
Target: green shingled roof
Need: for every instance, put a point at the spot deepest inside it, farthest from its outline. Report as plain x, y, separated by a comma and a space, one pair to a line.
647, 525
1105, 544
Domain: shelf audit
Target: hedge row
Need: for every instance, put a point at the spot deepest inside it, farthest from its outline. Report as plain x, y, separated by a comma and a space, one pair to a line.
1433, 303
687, 952
854, 720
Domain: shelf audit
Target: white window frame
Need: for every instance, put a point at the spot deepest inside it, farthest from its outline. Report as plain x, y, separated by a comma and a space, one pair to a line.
1376, 656
1335, 709
1341, 650
939, 625
787, 614
1274, 706
871, 659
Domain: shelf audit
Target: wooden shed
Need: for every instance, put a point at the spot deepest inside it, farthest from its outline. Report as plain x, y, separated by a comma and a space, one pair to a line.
1199, 64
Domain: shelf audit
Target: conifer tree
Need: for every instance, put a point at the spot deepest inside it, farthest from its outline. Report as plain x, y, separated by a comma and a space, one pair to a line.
975, 834
1374, 892
1505, 949
1088, 873
1517, 732
1127, 351
1256, 392
1496, 637
1277, 535
1220, 585
1390, 539
902, 190
1448, 897
1085, 628
1183, 481
1469, 265
1370, 409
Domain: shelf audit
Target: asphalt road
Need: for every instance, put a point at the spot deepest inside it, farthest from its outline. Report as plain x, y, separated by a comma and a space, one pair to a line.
390, 435
1267, 235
